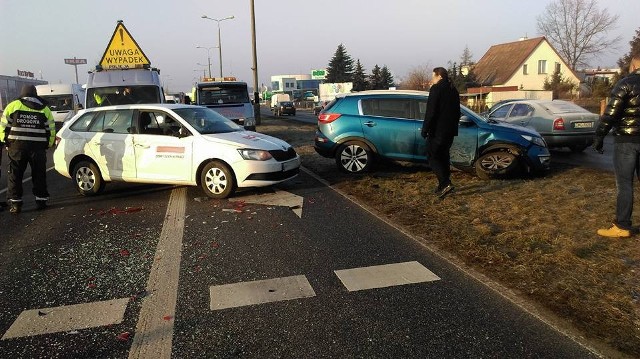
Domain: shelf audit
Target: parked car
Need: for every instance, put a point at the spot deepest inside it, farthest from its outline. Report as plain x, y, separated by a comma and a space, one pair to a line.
358, 128
496, 105
319, 106
169, 144
284, 108
561, 123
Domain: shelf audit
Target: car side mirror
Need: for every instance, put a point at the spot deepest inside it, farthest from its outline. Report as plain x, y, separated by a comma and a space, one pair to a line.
465, 121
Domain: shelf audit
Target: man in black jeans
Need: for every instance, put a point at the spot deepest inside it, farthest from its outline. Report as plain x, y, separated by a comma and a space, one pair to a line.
440, 127
622, 114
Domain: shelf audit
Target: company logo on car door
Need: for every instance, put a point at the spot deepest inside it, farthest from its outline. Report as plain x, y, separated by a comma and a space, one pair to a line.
169, 152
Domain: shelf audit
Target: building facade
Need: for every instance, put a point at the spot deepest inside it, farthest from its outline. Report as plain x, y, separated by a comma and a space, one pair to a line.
10, 87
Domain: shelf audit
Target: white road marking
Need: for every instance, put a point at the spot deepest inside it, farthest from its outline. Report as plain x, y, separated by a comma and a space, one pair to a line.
258, 292
67, 318
279, 198
154, 331
386, 275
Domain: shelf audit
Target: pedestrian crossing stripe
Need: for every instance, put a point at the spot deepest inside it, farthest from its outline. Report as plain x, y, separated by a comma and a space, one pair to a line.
67, 318
258, 292
386, 275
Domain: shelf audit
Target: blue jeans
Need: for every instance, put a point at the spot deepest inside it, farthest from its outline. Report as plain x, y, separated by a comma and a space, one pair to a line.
625, 163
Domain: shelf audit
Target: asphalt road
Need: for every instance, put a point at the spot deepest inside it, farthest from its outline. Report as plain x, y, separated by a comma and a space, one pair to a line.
293, 271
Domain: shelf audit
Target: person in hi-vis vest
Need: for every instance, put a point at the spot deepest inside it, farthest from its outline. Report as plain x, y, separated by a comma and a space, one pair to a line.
27, 129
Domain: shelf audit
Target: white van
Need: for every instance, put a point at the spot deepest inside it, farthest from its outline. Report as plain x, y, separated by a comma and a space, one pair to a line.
123, 87
64, 100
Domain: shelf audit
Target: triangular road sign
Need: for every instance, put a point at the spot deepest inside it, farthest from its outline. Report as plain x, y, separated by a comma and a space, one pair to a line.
123, 51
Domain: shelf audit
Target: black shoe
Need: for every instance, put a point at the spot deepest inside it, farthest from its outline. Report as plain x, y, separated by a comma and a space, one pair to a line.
445, 191
40, 205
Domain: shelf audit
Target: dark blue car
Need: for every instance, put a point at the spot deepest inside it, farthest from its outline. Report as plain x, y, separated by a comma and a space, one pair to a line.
358, 128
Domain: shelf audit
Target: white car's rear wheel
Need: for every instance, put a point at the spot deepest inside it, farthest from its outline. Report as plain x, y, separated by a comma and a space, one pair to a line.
217, 180
87, 178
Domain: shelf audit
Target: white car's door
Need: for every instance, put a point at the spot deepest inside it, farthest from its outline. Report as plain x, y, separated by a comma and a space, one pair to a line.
161, 153
111, 145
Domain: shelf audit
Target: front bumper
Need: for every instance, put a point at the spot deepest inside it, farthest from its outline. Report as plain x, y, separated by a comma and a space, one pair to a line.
538, 159
265, 173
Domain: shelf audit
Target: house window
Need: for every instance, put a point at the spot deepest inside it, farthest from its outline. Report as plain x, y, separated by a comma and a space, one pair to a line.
557, 69
525, 70
542, 66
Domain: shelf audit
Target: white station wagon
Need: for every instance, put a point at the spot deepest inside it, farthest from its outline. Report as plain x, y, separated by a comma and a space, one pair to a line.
169, 144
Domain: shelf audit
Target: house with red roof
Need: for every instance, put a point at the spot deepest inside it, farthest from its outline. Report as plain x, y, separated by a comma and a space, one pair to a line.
518, 70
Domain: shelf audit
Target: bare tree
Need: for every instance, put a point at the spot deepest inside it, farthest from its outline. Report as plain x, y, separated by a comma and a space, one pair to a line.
578, 29
417, 79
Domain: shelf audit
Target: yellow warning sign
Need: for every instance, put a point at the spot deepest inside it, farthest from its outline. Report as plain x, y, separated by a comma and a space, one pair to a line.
123, 51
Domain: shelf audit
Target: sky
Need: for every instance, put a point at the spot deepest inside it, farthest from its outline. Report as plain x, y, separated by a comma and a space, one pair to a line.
292, 36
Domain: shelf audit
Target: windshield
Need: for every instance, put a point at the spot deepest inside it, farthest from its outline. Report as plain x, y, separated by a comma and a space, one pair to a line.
122, 95
59, 102
207, 121
221, 94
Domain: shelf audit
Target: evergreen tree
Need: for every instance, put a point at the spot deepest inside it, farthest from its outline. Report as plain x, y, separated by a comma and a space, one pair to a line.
359, 78
561, 87
386, 79
375, 79
625, 61
340, 67
456, 77
466, 59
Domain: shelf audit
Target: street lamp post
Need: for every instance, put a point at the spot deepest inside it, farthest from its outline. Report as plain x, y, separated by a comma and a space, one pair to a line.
219, 39
256, 94
208, 56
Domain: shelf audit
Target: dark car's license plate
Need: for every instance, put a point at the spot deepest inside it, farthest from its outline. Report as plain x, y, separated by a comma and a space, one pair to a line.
583, 125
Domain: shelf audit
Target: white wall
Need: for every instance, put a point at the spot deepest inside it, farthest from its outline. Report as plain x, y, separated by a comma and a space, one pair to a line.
534, 80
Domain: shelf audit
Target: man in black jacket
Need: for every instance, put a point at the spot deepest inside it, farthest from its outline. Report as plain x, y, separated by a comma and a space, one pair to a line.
440, 127
622, 114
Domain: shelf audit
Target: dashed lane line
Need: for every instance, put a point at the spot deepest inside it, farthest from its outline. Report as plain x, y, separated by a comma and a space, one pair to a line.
67, 318
386, 275
154, 331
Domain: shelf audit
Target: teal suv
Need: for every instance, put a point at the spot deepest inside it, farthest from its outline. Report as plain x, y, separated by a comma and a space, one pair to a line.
358, 128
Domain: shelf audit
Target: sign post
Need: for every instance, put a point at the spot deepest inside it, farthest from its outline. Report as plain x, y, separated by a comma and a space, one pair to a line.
75, 62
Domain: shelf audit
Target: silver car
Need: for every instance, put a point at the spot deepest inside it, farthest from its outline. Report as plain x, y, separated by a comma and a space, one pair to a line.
561, 123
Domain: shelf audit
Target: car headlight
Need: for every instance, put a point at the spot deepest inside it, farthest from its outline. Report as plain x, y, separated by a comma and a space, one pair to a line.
256, 155
535, 140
